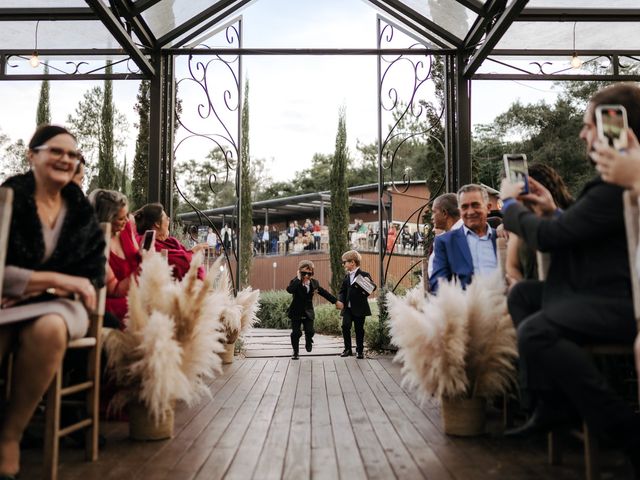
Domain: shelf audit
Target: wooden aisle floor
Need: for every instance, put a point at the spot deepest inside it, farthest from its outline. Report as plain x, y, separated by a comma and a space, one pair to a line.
321, 418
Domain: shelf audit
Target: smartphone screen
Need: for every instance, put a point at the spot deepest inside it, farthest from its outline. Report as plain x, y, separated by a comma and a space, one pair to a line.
516, 170
611, 122
149, 237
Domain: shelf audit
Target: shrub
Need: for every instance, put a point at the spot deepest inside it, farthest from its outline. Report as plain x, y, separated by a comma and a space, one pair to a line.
273, 309
328, 320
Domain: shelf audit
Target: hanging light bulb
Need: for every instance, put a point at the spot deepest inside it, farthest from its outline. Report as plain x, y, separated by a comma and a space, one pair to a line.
34, 60
576, 61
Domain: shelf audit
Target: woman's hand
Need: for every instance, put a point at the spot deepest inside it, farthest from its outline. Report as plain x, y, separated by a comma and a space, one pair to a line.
620, 168
510, 189
539, 199
69, 284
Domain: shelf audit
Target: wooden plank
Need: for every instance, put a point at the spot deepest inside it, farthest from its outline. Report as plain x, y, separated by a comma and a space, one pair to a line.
399, 457
246, 457
225, 408
297, 462
232, 424
350, 465
271, 461
221, 388
324, 464
375, 461
422, 453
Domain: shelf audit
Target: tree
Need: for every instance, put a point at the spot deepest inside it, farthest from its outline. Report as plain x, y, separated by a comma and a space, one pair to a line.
339, 209
140, 180
12, 159
106, 162
86, 125
246, 213
43, 115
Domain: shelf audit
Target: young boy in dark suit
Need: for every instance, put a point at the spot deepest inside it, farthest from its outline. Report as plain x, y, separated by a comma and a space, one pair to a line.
356, 304
301, 313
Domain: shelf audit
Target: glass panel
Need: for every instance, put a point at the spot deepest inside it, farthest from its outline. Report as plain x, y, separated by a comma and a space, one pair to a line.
42, 3
326, 24
610, 4
56, 35
448, 14
559, 35
168, 14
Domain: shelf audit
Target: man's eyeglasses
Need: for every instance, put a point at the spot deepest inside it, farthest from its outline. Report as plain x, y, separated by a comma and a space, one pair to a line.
57, 153
306, 274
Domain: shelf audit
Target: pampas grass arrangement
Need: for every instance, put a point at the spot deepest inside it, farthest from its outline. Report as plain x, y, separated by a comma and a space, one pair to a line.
456, 344
171, 345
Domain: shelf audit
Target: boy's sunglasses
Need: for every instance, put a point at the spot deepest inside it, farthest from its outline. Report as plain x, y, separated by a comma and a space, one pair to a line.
310, 274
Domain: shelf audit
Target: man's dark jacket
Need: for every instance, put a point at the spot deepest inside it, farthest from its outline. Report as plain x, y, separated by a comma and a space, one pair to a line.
354, 297
587, 243
302, 301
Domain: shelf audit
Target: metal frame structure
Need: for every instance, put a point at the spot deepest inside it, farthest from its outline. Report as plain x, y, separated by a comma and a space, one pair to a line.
150, 54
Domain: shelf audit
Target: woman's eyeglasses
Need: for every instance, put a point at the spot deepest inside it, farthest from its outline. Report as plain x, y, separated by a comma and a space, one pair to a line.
57, 153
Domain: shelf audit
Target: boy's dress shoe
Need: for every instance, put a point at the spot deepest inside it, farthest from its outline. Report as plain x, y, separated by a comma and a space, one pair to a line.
294, 356
308, 344
346, 353
359, 355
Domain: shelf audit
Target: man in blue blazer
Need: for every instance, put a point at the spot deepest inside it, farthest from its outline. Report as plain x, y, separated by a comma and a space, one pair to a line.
468, 250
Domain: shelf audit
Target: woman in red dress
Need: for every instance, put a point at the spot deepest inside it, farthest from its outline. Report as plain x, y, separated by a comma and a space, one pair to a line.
124, 258
153, 217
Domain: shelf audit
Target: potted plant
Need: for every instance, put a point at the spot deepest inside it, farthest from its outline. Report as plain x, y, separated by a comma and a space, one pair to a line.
458, 345
170, 348
238, 314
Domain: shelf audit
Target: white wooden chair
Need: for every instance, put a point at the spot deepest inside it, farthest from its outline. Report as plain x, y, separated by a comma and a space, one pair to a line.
6, 203
91, 386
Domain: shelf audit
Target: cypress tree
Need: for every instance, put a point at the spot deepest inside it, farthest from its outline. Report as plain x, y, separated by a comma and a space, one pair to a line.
141, 158
107, 177
339, 210
246, 220
43, 114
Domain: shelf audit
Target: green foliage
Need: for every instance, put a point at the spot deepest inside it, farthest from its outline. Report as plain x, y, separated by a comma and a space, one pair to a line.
43, 114
246, 218
273, 309
107, 177
377, 336
328, 320
140, 182
86, 125
12, 157
339, 210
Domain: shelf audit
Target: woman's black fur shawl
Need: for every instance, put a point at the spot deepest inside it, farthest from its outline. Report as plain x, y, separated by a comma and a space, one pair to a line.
80, 248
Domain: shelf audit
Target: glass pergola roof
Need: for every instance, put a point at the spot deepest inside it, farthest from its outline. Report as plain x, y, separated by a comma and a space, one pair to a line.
534, 29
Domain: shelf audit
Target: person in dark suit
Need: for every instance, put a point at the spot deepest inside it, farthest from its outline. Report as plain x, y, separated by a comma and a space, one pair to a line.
585, 299
468, 250
355, 303
301, 313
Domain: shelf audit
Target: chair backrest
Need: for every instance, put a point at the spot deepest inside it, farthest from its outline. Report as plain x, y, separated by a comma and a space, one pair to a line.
632, 223
543, 260
501, 247
6, 204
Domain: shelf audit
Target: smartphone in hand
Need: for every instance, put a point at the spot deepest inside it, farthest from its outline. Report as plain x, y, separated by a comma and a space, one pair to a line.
516, 170
148, 239
611, 124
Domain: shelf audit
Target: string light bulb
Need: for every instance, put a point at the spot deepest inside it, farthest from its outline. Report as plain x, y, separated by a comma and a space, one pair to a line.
576, 61
34, 59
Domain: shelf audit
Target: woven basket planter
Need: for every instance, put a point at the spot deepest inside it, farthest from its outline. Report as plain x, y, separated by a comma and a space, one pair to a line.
227, 355
464, 417
143, 427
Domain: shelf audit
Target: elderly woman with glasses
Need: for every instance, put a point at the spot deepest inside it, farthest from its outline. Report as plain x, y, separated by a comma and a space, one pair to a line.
301, 312
55, 262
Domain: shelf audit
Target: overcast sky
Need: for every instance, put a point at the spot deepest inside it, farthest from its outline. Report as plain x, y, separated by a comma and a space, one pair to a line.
294, 101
